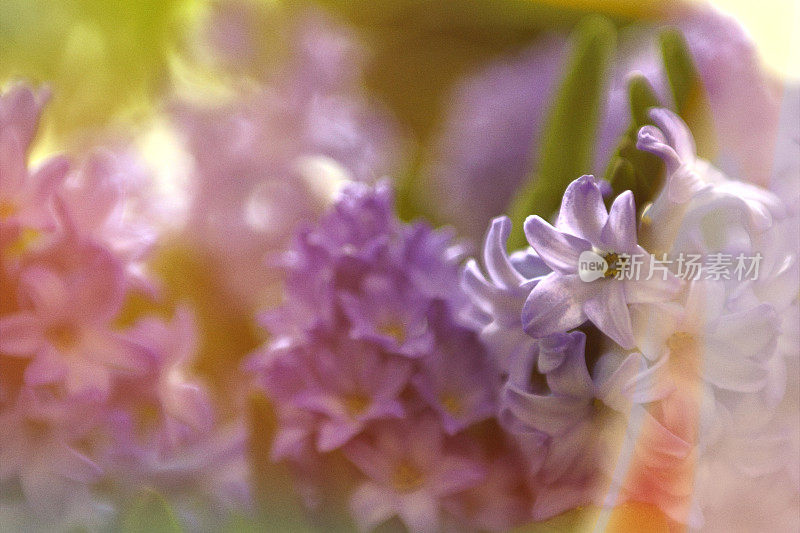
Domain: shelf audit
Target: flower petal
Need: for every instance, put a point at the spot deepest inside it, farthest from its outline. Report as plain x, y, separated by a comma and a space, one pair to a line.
559, 250
608, 310
619, 233
749, 333
495, 257
20, 334
419, 512
455, 474
676, 132
651, 139
373, 463
555, 305
583, 212
334, 433
735, 373
46, 368
45, 291
12, 166
572, 378
549, 414
371, 505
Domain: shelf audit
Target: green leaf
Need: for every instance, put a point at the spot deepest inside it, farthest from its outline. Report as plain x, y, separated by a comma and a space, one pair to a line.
569, 133
150, 513
641, 97
622, 175
630, 168
687, 90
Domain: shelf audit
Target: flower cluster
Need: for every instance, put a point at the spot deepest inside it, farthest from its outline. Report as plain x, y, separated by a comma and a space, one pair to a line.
367, 356
635, 364
94, 407
647, 390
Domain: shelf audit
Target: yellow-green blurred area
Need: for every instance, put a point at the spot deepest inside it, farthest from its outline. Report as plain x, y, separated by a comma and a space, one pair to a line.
100, 57
113, 59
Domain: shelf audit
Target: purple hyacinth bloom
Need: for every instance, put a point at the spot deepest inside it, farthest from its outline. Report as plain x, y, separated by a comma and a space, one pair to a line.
456, 379
369, 352
562, 300
359, 312
497, 301
347, 385
390, 314
580, 417
409, 472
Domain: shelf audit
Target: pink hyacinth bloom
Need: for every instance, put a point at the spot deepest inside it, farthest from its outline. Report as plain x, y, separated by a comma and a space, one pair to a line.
409, 471
37, 447
64, 324
183, 404
24, 193
100, 201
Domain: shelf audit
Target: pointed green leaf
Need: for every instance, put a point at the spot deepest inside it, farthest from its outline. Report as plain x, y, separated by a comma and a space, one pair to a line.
150, 513
687, 90
569, 133
630, 168
622, 174
641, 97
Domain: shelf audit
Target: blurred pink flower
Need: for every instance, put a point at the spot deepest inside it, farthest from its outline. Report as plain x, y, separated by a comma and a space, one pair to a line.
409, 471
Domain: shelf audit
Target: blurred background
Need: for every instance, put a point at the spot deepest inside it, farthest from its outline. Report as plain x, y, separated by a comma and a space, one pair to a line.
112, 61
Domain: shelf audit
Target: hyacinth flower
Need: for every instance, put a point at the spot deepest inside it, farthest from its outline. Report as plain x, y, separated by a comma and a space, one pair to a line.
39, 449
696, 191
168, 392
733, 347
341, 379
408, 478
388, 314
498, 299
22, 190
582, 417
63, 325
562, 300
103, 198
701, 366
457, 380
90, 401
353, 384
701, 210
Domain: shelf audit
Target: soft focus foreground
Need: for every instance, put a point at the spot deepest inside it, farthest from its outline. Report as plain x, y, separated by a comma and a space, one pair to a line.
225, 303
